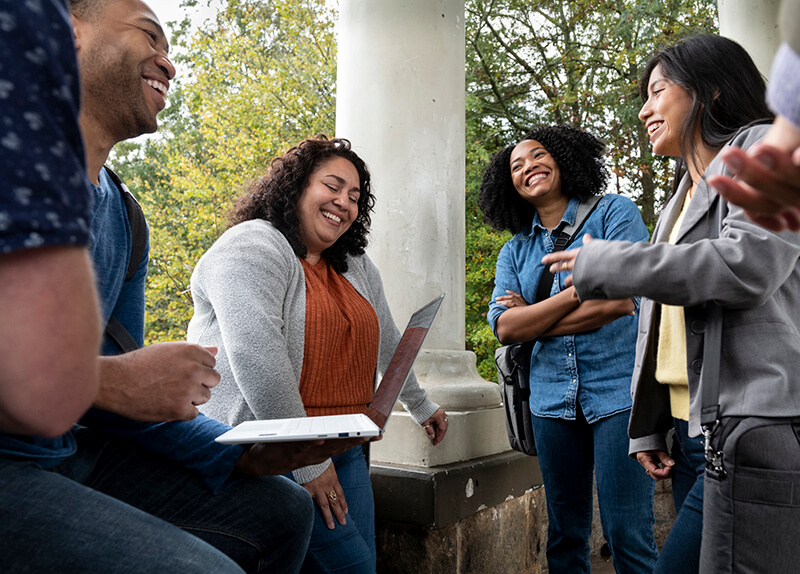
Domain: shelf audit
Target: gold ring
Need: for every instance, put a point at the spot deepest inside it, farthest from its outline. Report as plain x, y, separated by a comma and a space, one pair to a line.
565, 266
426, 426
332, 496
647, 472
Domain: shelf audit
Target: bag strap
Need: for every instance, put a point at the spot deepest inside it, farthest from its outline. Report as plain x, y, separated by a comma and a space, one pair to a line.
120, 335
114, 329
564, 240
712, 339
712, 357
137, 222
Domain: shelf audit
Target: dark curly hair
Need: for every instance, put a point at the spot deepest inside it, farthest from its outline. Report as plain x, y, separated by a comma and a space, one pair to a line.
579, 156
274, 197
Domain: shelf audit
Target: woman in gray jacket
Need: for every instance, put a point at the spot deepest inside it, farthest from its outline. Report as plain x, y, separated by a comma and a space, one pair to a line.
699, 97
299, 317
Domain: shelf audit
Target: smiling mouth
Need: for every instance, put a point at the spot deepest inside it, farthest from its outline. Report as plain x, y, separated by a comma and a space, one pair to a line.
331, 217
651, 129
535, 178
157, 86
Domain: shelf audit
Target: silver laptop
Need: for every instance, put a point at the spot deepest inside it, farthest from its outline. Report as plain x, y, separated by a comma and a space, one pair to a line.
345, 426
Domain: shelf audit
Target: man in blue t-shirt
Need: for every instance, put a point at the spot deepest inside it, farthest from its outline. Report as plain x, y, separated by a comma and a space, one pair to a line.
127, 491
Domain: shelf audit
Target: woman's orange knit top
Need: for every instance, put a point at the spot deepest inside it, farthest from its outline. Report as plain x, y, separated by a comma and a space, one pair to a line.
341, 344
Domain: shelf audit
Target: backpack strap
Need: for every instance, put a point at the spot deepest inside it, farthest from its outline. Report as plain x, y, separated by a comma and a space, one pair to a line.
137, 223
114, 329
564, 240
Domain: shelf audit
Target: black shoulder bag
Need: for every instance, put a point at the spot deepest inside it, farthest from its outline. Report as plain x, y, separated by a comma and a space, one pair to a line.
513, 361
751, 500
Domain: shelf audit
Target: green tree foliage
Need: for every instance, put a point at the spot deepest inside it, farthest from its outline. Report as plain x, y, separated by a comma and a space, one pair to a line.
253, 82
534, 62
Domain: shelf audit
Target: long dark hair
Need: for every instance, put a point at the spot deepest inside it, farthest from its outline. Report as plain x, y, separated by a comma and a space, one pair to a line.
726, 87
579, 156
274, 197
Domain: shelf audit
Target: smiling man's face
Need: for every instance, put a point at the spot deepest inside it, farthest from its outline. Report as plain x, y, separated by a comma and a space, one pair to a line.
125, 71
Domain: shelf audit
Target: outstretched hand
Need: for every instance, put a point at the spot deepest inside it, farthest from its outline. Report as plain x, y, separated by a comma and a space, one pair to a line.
564, 261
767, 183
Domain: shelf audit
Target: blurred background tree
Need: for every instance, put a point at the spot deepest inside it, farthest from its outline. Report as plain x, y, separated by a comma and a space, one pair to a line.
261, 75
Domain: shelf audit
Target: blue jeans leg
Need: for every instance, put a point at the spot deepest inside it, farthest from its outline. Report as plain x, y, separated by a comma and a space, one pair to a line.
49, 523
350, 547
625, 496
566, 459
262, 523
569, 453
681, 552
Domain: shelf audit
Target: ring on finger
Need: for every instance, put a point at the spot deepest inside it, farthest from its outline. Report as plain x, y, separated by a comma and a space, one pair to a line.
332, 496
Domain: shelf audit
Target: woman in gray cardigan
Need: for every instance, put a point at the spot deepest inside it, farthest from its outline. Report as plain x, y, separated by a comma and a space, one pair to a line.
699, 97
299, 317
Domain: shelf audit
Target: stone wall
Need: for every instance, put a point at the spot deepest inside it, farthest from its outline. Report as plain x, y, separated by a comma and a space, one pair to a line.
507, 538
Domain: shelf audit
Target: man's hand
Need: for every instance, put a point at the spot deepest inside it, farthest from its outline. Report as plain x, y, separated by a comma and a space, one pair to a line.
162, 382
282, 457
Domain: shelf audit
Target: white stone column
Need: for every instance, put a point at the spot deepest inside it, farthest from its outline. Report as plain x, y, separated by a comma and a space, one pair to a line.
400, 100
753, 24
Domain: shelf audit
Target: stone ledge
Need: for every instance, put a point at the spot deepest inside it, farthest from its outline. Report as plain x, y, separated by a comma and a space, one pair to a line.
442, 495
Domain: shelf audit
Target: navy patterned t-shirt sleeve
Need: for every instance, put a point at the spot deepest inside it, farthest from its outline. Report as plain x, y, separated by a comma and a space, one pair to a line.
45, 198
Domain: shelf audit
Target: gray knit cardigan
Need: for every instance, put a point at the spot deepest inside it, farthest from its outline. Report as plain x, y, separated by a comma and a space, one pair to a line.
250, 301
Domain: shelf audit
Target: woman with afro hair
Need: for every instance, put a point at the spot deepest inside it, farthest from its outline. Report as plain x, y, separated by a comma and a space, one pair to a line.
298, 314
582, 358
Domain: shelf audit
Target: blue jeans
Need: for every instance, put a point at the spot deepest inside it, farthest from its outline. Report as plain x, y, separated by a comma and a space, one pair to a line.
113, 507
569, 453
681, 552
350, 547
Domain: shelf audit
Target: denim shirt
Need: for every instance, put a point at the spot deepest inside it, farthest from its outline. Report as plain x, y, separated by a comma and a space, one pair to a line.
592, 368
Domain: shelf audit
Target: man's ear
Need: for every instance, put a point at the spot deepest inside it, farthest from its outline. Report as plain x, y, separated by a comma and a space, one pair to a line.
78, 30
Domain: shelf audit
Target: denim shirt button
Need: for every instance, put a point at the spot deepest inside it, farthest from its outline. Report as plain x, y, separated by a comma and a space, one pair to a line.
698, 327
697, 366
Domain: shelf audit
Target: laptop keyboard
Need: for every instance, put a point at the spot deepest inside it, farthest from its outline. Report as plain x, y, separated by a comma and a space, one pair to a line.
327, 425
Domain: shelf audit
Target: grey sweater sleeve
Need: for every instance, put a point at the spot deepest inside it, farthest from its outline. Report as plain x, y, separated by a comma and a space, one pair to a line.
245, 288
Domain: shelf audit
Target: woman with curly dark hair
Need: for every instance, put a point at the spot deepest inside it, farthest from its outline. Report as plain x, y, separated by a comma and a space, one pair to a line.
299, 317
582, 358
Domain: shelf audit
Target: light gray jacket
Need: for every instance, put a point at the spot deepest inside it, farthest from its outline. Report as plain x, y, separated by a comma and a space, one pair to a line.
751, 272
250, 301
